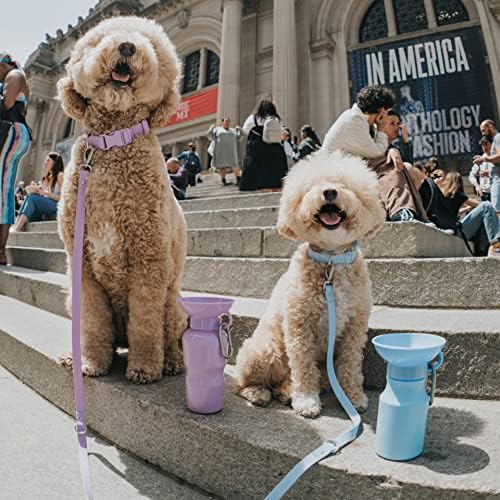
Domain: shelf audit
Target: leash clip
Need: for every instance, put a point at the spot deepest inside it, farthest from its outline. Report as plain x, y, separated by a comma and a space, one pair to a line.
87, 156
328, 275
225, 331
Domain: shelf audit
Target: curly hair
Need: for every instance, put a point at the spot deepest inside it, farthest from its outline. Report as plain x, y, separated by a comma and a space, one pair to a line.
371, 99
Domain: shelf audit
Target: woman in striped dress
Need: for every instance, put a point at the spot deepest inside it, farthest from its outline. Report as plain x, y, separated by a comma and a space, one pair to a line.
14, 95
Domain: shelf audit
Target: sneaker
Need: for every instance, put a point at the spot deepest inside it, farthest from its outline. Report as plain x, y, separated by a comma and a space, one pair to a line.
404, 215
494, 250
448, 231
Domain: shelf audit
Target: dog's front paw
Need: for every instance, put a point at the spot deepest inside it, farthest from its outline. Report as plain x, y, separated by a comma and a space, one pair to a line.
94, 369
259, 396
143, 375
360, 402
89, 368
174, 362
307, 405
66, 360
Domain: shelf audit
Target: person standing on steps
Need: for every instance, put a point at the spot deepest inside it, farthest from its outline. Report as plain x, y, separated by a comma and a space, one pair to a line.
15, 138
489, 129
265, 162
225, 155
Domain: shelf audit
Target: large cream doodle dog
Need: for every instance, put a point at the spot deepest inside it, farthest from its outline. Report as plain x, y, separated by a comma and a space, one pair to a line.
329, 201
119, 73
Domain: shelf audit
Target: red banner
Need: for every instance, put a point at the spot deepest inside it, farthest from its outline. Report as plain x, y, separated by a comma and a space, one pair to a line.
200, 104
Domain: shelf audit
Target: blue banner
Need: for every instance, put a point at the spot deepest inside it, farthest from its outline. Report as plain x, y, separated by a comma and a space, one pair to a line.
442, 87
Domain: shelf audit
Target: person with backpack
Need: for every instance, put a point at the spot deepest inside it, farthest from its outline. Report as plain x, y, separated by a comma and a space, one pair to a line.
309, 144
225, 149
191, 162
265, 162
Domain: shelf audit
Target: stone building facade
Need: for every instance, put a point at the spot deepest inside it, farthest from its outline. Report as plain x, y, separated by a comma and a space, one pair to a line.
300, 52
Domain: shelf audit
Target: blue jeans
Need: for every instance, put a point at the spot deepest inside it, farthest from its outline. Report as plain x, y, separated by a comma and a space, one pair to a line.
482, 225
34, 206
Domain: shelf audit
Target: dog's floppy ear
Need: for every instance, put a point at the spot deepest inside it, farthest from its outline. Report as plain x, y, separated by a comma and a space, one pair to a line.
283, 228
286, 231
159, 116
72, 102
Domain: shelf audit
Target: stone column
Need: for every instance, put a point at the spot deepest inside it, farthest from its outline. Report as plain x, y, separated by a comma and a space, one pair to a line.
285, 75
203, 68
201, 149
230, 61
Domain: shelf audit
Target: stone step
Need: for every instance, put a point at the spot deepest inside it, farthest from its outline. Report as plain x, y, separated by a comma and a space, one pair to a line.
243, 451
407, 239
232, 201
471, 335
41, 227
203, 219
36, 435
443, 283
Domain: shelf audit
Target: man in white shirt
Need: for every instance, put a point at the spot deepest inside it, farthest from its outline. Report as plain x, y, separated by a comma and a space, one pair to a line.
489, 129
480, 174
351, 131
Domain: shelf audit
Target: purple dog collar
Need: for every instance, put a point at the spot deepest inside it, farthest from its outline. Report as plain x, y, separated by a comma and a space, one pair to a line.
118, 138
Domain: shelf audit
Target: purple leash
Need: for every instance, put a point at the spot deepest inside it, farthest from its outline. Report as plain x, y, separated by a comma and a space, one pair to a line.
76, 286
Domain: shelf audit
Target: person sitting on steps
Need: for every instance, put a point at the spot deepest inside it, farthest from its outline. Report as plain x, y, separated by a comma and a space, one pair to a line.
480, 225
42, 200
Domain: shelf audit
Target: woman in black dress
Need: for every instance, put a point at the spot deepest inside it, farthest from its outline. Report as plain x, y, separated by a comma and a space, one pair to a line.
265, 163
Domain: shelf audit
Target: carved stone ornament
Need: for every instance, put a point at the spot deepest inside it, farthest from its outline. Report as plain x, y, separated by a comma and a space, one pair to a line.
183, 18
495, 8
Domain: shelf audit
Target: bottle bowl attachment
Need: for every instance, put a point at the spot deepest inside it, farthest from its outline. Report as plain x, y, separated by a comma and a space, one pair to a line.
205, 307
408, 350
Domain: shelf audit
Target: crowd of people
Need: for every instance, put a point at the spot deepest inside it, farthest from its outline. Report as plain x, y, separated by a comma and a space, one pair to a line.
370, 129
373, 130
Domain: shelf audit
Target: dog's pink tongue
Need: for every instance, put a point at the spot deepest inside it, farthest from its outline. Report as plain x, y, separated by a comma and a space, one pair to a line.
120, 78
330, 218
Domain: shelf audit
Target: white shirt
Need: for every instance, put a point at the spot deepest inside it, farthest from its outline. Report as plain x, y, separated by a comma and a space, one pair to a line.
351, 134
495, 147
484, 180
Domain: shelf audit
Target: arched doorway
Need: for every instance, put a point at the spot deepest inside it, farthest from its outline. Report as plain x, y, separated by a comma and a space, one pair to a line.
431, 53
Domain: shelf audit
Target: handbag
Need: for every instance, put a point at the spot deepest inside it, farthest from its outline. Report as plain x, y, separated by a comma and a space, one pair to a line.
5, 127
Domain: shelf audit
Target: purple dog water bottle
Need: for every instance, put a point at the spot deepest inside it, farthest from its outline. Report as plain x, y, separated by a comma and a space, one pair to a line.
206, 345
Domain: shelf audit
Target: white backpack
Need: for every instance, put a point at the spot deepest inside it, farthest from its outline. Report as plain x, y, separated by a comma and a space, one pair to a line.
272, 130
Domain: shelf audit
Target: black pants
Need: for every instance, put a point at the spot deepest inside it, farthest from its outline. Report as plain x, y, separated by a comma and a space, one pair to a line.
192, 180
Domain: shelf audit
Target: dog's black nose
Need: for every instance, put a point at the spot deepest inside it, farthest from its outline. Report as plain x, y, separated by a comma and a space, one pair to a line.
330, 195
126, 49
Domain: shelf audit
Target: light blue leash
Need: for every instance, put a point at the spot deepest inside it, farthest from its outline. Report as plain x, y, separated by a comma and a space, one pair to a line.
330, 446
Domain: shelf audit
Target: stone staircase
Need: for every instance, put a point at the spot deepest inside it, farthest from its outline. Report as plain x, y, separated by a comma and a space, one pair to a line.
423, 281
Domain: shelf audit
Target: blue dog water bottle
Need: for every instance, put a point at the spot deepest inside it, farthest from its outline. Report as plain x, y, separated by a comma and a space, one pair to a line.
403, 406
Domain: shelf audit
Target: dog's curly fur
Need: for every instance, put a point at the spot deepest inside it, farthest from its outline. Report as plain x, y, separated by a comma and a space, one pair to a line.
285, 357
135, 240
